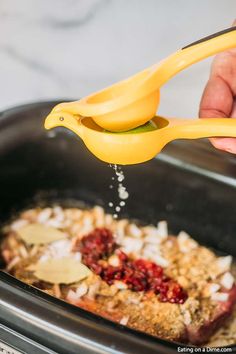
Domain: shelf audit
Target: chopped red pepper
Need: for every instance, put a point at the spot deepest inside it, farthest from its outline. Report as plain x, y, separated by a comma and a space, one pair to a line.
138, 275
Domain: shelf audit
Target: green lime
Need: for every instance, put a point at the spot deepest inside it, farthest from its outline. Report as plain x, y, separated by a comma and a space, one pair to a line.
147, 127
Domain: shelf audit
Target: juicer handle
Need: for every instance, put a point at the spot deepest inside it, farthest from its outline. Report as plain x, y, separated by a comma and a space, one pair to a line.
202, 128
207, 38
147, 82
194, 52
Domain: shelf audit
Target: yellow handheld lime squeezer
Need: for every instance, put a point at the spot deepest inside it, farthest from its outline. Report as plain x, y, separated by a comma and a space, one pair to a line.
118, 124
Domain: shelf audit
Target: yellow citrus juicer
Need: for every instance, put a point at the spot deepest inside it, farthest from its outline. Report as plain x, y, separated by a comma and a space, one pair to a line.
107, 121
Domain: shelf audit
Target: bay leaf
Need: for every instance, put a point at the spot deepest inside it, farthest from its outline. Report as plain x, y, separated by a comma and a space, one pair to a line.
61, 271
38, 234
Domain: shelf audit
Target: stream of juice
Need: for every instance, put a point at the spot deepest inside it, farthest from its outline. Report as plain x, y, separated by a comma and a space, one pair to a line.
118, 182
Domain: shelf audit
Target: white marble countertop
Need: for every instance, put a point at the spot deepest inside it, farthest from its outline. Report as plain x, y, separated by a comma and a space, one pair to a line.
70, 48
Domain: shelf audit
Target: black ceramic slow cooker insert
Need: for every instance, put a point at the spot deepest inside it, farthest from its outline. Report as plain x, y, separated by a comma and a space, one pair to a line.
190, 185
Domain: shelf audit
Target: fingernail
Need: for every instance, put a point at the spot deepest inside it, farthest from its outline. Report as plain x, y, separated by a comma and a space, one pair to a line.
219, 143
229, 150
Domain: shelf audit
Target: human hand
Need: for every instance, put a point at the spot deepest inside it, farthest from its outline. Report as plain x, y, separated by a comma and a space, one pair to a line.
219, 96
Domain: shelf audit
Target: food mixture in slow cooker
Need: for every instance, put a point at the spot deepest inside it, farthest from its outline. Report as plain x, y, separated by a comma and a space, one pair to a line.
139, 276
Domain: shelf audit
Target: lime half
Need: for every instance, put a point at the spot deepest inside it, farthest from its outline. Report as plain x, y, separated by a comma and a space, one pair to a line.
147, 127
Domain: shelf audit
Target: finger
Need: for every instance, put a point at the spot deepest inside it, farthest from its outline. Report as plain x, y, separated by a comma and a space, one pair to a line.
217, 102
217, 99
218, 96
225, 144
